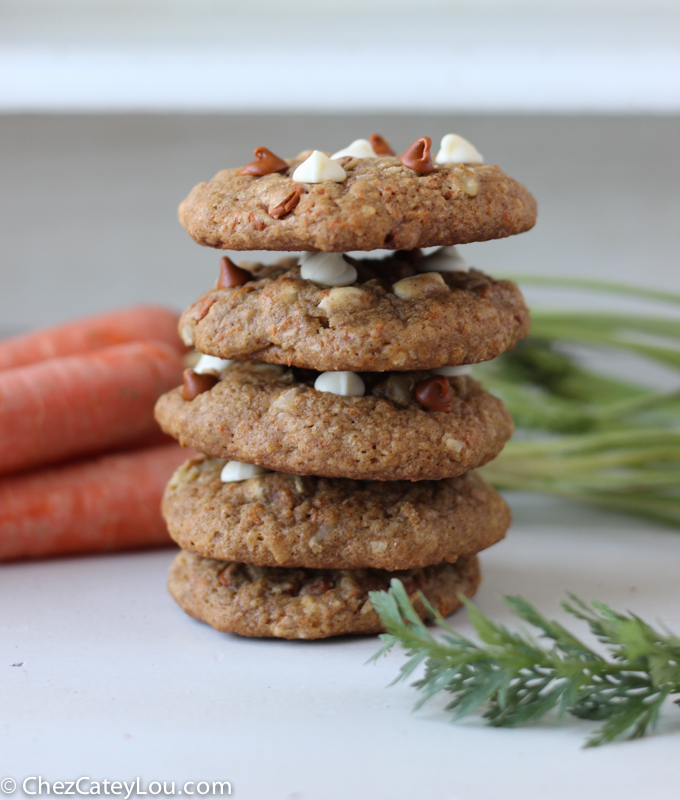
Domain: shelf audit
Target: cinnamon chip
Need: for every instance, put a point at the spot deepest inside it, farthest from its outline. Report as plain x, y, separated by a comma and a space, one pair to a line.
380, 145
205, 306
195, 384
288, 203
231, 275
435, 394
417, 156
265, 163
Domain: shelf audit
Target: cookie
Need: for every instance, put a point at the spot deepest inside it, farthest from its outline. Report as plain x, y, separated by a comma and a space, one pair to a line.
383, 321
306, 604
263, 414
279, 520
380, 204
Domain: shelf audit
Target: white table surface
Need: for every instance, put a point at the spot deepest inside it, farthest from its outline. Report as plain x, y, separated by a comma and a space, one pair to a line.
116, 682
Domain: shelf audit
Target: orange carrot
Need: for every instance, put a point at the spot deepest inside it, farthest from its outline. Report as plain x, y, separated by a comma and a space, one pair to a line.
91, 333
85, 404
106, 503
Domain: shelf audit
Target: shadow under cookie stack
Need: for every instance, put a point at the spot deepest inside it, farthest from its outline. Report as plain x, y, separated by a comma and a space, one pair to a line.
332, 401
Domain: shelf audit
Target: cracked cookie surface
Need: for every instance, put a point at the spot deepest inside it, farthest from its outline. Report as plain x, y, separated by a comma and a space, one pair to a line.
292, 521
397, 316
266, 415
306, 604
381, 204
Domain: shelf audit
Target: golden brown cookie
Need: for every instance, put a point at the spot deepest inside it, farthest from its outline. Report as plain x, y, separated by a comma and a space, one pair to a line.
279, 520
396, 316
306, 604
380, 204
263, 414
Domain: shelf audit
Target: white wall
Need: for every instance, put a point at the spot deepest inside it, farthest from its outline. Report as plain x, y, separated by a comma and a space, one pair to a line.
88, 212
471, 55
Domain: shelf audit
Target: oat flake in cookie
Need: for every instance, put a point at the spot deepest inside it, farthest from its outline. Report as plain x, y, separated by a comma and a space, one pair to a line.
306, 604
263, 414
397, 315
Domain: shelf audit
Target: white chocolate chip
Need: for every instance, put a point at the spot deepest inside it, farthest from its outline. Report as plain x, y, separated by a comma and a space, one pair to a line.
319, 168
360, 148
327, 269
456, 150
344, 300
453, 372
446, 259
235, 471
419, 286
208, 363
346, 384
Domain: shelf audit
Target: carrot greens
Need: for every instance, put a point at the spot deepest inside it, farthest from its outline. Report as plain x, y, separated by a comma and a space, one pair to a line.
514, 680
582, 434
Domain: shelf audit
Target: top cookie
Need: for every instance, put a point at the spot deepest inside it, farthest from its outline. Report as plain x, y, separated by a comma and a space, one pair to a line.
380, 204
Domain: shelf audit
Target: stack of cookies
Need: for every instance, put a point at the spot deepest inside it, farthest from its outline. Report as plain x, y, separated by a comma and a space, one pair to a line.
332, 400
